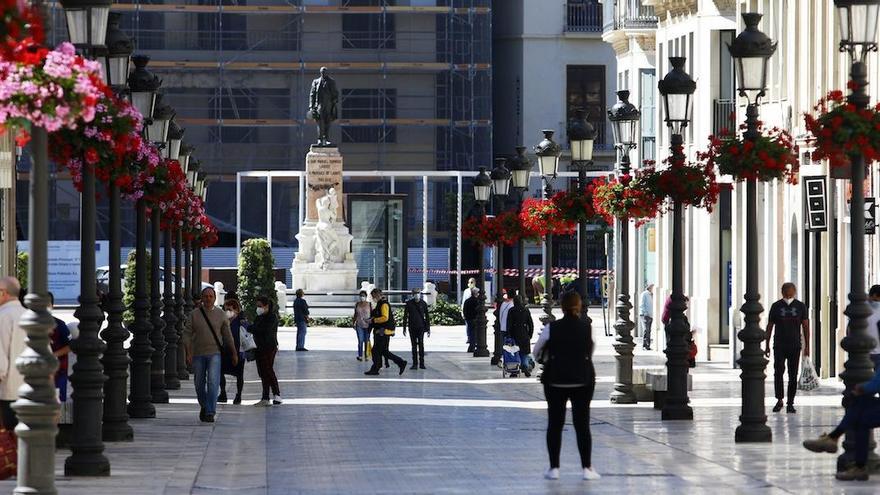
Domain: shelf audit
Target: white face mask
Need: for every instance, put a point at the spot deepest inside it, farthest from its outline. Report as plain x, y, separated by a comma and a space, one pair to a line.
472, 284
230, 314
788, 300
261, 311
363, 298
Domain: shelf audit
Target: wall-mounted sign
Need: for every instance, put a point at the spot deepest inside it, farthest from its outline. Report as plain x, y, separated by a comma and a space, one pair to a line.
817, 202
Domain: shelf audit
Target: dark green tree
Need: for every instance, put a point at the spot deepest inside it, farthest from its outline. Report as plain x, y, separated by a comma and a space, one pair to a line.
128, 279
21, 269
256, 275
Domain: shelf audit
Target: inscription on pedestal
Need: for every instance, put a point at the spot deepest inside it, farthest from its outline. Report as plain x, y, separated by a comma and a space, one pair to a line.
323, 171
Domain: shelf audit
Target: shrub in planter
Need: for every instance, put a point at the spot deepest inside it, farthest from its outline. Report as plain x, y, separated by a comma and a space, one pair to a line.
128, 287
255, 275
21, 269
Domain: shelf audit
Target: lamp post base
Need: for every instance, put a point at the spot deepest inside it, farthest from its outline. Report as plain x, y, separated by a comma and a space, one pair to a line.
753, 433
141, 410
677, 412
121, 432
87, 465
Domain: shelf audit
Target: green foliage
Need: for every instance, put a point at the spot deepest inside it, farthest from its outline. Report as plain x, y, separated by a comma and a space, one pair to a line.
286, 320
255, 275
21, 269
565, 279
445, 313
128, 279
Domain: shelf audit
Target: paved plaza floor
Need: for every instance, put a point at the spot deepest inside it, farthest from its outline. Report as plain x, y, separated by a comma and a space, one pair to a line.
457, 427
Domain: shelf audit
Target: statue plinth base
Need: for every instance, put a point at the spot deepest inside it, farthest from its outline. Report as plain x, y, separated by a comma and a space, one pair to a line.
323, 171
335, 274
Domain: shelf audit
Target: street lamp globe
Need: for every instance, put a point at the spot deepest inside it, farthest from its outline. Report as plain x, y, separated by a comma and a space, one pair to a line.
117, 56
86, 21
519, 167
676, 89
750, 51
175, 138
143, 85
500, 178
157, 130
581, 136
858, 26
482, 186
625, 118
548, 152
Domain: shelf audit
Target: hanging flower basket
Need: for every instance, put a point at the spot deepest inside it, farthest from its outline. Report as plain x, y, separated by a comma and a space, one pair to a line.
540, 217
687, 183
104, 144
576, 206
163, 183
625, 198
840, 129
505, 228
61, 91
772, 156
22, 32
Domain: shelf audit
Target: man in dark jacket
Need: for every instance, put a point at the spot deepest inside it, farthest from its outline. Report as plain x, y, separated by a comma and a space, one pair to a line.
521, 327
301, 318
415, 317
471, 309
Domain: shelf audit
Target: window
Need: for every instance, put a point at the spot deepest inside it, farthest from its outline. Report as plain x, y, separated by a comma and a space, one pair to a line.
369, 104
648, 107
586, 89
368, 31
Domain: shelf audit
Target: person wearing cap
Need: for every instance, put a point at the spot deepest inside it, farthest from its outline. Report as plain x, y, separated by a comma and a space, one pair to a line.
415, 318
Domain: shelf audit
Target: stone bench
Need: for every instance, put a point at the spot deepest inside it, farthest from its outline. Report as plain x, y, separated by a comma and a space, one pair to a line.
656, 382
640, 382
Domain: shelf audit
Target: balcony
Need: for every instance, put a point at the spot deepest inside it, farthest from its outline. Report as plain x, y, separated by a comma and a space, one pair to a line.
635, 16
723, 116
583, 17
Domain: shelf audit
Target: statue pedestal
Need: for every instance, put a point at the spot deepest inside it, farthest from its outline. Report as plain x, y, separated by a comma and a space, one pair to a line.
338, 270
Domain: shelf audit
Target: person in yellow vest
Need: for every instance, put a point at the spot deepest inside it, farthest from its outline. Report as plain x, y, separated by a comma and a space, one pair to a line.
382, 323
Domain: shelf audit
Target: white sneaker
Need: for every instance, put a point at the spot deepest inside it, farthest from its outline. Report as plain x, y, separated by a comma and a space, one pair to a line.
276, 400
591, 474
263, 403
552, 474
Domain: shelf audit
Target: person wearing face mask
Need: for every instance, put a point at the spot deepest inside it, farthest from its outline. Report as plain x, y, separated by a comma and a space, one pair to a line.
789, 317
265, 332
415, 317
469, 329
361, 321
236, 323
500, 325
382, 323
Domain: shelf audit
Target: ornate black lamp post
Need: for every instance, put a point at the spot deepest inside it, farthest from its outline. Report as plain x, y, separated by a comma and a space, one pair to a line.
87, 26
624, 117
180, 295
750, 51
116, 428
581, 135
500, 176
548, 152
143, 85
520, 168
482, 191
858, 36
169, 303
676, 89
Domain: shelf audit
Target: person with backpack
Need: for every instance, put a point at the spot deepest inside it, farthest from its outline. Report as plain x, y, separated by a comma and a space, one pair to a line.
415, 317
382, 323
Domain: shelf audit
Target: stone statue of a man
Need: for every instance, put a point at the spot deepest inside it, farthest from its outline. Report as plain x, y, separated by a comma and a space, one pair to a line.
323, 100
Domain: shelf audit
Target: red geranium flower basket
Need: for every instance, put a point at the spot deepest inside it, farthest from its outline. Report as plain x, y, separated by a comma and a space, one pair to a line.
841, 129
772, 156
540, 217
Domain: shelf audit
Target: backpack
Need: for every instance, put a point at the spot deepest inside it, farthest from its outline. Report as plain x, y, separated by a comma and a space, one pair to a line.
390, 324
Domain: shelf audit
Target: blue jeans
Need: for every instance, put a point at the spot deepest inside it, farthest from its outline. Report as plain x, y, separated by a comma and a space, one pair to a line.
363, 335
470, 333
301, 335
876, 359
207, 380
862, 415
524, 361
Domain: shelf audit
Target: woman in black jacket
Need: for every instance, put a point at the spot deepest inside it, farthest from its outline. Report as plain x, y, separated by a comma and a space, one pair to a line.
521, 327
265, 332
568, 376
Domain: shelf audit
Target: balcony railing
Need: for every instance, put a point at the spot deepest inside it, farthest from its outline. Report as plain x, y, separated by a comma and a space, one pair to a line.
583, 17
723, 116
635, 17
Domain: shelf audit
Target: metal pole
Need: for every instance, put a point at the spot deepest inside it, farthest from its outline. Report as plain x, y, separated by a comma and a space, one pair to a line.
547, 298
269, 209
424, 231
37, 404
238, 214
87, 458
458, 220
157, 374
187, 293
858, 367
753, 421
141, 349
582, 249
480, 322
499, 289
115, 360
623, 326
170, 318
179, 307
677, 329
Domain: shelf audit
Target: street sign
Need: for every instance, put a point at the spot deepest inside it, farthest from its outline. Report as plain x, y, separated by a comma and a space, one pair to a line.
870, 216
817, 218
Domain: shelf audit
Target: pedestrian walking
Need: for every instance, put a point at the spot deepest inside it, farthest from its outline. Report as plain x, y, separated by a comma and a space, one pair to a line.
301, 318
236, 324
415, 318
265, 332
471, 310
862, 415
466, 294
382, 324
361, 321
788, 317
208, 327
646, 312
568, 375
521, 328
12, 344
874, 324
60, 343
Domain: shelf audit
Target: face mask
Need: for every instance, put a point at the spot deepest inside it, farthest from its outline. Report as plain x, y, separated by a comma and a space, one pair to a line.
788, 300
363, 298
417, 297
472, 284
261, 311
230, 314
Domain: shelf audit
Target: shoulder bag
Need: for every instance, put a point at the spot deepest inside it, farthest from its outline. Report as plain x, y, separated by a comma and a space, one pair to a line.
225, 360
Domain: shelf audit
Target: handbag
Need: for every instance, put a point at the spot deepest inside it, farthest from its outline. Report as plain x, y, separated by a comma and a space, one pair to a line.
8, 453
226, 361
246, 339
808, 380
